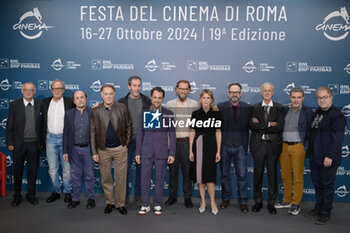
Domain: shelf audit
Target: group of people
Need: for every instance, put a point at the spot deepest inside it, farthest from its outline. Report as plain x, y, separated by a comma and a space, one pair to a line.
195, 139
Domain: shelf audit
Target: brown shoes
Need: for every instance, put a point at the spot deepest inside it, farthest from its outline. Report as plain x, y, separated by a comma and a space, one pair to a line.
244, 208
224, 204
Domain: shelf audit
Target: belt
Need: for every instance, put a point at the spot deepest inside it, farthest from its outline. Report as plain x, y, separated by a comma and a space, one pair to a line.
291, 143
182, 139
81, 145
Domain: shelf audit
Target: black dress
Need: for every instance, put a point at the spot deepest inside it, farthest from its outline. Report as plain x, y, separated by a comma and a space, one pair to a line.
209, 147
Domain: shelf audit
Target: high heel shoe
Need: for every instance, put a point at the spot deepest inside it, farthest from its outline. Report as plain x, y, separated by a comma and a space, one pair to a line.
215, 212
201, 210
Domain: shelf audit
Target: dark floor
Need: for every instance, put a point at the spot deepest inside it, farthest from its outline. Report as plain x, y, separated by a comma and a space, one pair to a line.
56, 218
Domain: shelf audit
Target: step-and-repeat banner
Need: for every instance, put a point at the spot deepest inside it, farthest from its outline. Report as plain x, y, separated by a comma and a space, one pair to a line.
210, 43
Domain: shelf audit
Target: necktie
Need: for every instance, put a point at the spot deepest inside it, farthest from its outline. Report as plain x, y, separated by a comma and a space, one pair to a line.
234, 113
266, 115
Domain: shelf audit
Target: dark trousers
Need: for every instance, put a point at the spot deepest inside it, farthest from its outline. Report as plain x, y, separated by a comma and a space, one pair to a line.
131, 162
260, 157
239, 157
146, 175
30, 151
81, 163
323, 179
181, 159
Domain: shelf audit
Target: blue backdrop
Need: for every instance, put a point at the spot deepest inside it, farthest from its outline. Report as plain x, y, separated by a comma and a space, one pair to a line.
211, 43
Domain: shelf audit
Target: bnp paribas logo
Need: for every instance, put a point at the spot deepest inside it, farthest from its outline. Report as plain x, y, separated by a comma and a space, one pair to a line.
151, 119
30, 24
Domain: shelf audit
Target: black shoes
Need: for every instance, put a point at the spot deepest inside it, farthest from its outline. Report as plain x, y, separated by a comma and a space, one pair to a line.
244, 208
224, 204
67, 197
90, 203
257, 206
109, 208
271, 208
312, 213
16, 202
170, 201
322, 219
54, 196
32, 200
188, 203
122, 210
73, 204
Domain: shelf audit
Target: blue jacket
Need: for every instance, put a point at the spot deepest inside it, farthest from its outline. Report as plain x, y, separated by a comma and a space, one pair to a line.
68, 130
330, 136
245, 113
304, 123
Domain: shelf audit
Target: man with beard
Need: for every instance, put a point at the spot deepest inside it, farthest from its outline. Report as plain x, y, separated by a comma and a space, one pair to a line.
182, 107
235, 133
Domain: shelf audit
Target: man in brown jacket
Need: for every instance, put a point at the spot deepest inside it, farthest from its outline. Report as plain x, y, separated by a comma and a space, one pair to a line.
110, 133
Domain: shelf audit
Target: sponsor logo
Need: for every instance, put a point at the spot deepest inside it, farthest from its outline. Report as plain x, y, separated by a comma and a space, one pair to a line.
43, 85
204, 66
108, 65
2, 141
293, 66
68, 86
43, 162
191, 65
346, 110
246, 88
345, 151
249, 67
57, 64
5, 85
3, 123
347, 132
335, 30
152, 66
208, 87
307, 89
30, 24
309, 191
96, 86
9, 179
341, 171
194, 87
4, 63
9, 161
281, 189
15, 64
4, 103
97, 182
96, 64
306, 170
347, 68
334, 88
151, 119
147, 86
341, 191
96, 166
70, 65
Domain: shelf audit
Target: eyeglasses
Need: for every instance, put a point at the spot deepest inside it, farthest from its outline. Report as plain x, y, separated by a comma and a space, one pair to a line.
322, 97
57, 89
28, 90
234, 92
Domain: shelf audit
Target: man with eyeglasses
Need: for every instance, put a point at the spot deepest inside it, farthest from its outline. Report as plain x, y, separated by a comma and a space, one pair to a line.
182, 107
325, 150
55, 108
235, 133
25, 135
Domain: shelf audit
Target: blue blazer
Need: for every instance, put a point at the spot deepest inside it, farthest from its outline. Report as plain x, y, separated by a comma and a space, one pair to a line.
304, 123
245, 113
330, 136
160, 143
68, 130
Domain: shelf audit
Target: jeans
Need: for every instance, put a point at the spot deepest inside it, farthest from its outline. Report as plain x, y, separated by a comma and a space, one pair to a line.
131, 159
239, 157
54, 158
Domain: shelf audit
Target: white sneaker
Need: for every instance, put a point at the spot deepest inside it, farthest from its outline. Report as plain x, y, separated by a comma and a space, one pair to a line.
144, 210
158, 210
294, 210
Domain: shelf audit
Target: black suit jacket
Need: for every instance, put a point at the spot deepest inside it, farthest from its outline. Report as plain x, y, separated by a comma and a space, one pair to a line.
68, 104
16, 122
276, 114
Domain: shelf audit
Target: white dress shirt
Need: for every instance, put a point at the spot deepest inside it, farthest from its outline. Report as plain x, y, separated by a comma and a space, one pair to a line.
55, 117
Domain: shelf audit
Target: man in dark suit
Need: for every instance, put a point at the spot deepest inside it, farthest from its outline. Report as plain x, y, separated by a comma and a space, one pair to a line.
325, 150
152, 147
77, 151
235, 134
55, 108
110, 136
267, 124
25, 132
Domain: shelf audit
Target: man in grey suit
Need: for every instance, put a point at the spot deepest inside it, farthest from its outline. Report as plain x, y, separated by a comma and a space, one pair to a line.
25, 132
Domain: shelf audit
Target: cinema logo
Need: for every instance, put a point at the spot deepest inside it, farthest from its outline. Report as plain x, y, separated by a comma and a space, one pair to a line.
152, 66
249, 67
30, 24
341, 191
335, 30
306, 88
346, 110
345, 151
5, 85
